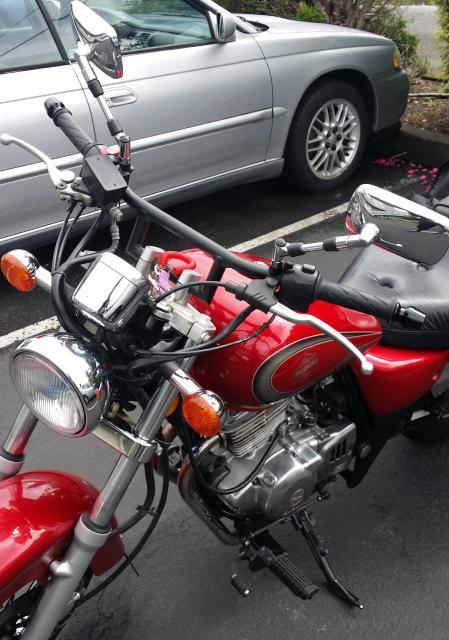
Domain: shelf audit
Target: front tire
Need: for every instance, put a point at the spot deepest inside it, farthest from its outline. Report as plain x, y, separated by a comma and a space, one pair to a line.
327, 137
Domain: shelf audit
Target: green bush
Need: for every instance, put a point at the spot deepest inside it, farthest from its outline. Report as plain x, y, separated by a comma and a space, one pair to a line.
307, 13
443, 10
390, 23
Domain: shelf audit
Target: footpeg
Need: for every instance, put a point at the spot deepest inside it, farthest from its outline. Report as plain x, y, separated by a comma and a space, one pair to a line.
274, 558
293, 578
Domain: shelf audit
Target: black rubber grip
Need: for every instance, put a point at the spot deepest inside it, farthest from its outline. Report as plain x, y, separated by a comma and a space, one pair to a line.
382, 308
293, 578
63, 119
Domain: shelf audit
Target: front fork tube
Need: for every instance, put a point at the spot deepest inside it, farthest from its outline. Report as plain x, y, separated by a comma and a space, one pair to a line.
12, 455
92, 531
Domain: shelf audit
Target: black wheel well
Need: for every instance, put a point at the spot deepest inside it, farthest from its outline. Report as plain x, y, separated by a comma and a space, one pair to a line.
357, 79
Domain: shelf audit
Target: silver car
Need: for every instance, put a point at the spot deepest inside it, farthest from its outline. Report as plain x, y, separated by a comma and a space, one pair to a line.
206, 107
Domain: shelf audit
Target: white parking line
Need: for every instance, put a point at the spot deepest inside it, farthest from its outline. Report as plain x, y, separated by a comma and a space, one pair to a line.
27, 332
290, 228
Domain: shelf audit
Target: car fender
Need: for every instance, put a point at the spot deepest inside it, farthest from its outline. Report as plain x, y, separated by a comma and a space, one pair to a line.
38, 512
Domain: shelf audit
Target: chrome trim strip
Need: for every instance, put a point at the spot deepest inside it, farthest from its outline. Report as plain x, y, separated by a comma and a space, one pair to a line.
152, 196
201, 130
39, 168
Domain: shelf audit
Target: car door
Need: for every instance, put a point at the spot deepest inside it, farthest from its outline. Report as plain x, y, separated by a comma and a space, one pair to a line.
32, 67
196, 110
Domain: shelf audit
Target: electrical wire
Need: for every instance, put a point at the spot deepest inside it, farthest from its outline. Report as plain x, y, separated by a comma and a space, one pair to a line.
142, 510
61, 236
67, 235
149, 361
187, 285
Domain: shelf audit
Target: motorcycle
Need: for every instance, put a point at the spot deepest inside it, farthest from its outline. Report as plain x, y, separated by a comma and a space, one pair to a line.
249, 383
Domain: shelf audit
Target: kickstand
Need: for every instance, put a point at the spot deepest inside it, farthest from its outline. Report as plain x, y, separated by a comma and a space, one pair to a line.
302, 522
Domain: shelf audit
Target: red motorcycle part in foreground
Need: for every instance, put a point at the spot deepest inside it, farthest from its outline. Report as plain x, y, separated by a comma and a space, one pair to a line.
38, 512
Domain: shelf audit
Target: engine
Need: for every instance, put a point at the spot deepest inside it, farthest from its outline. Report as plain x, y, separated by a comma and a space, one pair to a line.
301, 456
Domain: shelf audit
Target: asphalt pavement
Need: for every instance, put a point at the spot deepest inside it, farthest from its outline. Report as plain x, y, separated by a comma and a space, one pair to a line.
386, 538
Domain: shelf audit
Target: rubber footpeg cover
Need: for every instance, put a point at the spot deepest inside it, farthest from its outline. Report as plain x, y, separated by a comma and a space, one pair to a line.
293, 578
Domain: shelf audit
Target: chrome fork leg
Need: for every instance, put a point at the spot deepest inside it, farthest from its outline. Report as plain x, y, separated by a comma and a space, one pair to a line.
12, 453
91, 533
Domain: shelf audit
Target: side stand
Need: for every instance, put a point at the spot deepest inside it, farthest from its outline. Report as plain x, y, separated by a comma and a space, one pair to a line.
302, 522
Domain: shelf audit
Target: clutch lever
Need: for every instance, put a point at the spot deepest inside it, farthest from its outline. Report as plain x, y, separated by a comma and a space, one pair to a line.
63, 179
60, 177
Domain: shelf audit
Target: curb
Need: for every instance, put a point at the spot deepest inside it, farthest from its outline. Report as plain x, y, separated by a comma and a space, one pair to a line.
424, 147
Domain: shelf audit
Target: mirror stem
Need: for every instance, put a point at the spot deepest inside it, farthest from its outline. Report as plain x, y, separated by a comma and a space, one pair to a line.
96, 90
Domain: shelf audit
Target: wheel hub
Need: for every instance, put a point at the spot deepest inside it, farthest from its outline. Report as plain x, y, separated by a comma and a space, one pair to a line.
333, 139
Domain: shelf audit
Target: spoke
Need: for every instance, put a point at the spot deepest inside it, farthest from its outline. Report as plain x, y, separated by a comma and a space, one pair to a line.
323, 158
344, 115
349, 126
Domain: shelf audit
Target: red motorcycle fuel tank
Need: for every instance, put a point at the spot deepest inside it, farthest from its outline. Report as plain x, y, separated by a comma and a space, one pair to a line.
284, 358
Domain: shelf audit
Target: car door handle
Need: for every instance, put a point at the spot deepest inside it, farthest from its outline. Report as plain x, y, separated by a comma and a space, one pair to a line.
120, 95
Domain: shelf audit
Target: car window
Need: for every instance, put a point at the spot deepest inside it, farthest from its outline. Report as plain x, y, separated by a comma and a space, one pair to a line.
25, 40
144, 24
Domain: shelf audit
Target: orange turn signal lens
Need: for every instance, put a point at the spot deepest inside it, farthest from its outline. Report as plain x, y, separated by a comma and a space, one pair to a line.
17, 271
203, 412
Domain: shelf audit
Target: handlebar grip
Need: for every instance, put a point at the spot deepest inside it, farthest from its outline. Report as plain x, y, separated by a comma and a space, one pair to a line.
383, 308
63, 119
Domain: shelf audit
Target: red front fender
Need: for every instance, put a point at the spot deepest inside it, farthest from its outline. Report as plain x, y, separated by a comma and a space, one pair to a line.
38, 511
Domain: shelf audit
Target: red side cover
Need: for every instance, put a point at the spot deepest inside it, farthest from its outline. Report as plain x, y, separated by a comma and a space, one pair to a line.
400, 377
38, 512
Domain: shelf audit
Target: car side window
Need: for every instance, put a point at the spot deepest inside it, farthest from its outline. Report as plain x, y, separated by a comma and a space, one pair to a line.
25, 40
146, 24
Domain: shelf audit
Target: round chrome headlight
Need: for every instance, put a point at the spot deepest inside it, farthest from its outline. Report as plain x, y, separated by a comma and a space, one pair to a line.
62, 381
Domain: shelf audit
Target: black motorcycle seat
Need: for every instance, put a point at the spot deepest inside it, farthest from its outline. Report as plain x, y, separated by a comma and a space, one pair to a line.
425, 287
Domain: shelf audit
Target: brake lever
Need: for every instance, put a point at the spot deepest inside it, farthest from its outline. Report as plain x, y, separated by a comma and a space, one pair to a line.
284, 312
61, 178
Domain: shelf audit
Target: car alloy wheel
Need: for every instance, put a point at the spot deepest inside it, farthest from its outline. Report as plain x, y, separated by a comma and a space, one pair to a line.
333, 139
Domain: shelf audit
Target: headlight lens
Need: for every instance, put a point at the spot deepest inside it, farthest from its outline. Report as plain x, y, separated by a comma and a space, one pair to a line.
47, 394
62, 381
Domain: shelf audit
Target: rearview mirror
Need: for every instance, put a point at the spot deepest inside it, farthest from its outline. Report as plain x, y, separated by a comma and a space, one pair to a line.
406, 227
100, 38
226, 27
373, 204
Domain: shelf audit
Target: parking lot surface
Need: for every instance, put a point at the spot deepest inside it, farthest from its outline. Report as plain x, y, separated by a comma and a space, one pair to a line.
386, 537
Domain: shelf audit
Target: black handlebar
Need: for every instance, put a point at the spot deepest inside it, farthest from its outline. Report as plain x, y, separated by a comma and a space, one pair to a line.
298, 288
229, 259
63, 119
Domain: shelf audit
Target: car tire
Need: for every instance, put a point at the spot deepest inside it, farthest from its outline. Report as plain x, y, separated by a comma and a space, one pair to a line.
327, 137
